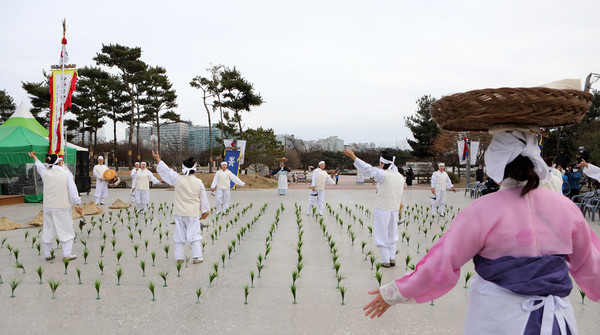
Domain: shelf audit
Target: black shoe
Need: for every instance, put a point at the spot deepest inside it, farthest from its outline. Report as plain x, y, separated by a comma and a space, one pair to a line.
385, 265
392, 262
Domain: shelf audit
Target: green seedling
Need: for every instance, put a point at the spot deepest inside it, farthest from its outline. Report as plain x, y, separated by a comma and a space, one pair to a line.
78, 270
97, 286
54, 284
164, 276
166, 249
119, 255
151, 288
66, 263
211, 277
343, 290
468, 276
143, 267
153, 256
40, 272
101, 267
293, 289
246, 292
178, 267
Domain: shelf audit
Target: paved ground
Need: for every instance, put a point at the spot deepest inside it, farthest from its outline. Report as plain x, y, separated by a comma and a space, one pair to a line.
128, 308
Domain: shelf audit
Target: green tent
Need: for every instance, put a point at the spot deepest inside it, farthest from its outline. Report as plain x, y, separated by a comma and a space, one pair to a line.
17, 171
23, 117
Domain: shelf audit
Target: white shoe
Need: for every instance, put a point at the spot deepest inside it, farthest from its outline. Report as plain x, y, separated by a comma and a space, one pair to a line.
198, 260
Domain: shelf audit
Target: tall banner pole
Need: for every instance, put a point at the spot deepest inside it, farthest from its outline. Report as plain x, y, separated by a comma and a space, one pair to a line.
62, 85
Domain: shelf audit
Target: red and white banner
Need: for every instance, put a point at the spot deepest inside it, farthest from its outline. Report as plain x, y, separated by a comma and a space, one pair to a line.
62, 84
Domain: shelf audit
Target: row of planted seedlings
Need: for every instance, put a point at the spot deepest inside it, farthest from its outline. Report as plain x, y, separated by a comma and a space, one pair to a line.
231, 248
353, 218
99, 223
233, 244
260, 258
335, 258
299, 264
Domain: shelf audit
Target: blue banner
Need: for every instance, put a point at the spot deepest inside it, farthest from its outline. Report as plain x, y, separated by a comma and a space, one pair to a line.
232, 158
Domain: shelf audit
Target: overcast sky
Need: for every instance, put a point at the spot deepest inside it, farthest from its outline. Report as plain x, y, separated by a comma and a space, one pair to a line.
351, 69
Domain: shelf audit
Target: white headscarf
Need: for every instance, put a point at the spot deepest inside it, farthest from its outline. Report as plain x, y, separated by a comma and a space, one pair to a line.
392, 166
506, 146
186, 170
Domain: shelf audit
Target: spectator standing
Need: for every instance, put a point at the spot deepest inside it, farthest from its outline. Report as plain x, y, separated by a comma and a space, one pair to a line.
563, 159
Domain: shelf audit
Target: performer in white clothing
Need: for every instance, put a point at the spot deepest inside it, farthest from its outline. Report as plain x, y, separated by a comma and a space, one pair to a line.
390, 185
590, 170
135, 169
101, 183
60, 193
440, 181
319, 179
141, 187
190, 206
221, 183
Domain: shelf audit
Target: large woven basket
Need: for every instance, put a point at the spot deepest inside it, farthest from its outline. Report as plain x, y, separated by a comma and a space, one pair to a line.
537, 106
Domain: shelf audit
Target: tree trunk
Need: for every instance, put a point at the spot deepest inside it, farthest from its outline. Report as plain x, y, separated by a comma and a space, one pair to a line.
209, 134
237, 115
157, 133
131, 126
115, 134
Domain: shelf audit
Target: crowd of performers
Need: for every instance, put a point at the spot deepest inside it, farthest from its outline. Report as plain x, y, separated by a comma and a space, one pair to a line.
524, 251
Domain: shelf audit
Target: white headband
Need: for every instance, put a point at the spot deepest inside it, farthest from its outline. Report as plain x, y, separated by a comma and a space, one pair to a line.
223, 163
321, 162
143, 163
137, 163
442, 164
391, 163
186, 170
100, 158
506, 146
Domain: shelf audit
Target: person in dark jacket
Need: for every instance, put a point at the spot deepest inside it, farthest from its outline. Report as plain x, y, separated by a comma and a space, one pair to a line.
562, 158
410, 175
479, 174
582, 154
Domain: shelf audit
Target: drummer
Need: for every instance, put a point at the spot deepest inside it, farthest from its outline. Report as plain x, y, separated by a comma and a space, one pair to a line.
141, 187
101, 182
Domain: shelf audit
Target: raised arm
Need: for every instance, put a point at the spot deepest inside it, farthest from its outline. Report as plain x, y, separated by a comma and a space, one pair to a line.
166, 173
41, 169
153, 179
590, 170
235, 179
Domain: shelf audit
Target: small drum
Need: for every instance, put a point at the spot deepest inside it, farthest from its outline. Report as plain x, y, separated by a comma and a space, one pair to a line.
112, 178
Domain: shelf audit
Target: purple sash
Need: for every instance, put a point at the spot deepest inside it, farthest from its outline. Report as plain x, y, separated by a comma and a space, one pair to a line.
532, 276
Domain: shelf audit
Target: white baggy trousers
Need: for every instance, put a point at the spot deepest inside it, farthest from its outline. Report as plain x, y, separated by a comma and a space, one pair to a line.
187, 230
385, 232
223, 197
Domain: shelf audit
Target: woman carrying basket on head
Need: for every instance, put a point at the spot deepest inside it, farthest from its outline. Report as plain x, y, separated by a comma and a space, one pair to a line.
523, 251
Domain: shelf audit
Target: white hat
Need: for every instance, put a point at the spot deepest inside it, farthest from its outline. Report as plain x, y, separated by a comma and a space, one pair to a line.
581, 148
100, 158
